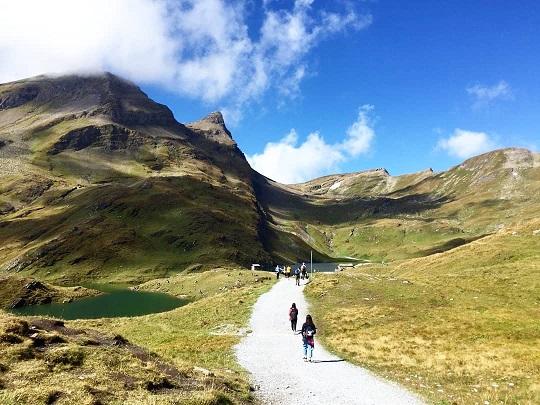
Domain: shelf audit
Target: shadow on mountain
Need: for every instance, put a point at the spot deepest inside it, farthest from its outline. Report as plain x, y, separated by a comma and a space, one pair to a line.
156, 225
449, 245
288, 205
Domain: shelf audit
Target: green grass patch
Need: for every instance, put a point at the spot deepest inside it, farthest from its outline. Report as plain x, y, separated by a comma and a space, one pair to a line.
195, 342
457, 327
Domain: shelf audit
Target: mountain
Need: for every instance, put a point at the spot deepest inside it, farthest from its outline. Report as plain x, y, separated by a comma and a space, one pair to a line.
97, 181
376, 216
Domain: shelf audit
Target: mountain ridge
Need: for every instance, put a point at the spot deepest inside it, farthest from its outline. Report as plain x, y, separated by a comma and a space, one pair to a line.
100, 181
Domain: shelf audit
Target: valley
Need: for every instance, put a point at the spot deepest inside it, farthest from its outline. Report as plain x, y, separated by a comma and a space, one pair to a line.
99, 184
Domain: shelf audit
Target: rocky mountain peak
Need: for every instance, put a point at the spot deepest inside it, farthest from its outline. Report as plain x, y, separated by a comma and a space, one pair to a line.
101, 94
213, 127
215, 118
380, 171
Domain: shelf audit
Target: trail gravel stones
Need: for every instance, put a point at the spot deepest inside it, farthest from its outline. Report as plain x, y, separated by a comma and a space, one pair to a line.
272, 353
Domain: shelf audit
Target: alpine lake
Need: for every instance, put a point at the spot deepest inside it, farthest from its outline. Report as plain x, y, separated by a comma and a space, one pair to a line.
115, 301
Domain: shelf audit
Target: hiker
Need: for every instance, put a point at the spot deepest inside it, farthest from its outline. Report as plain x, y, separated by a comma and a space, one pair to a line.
278, 270
293, 316
288, 271
297, 275
308, 338
303, 270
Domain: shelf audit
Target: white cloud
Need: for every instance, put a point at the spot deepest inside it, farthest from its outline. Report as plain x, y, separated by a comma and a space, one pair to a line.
360, 134
199, 48
465, 144
485, 95
289, 161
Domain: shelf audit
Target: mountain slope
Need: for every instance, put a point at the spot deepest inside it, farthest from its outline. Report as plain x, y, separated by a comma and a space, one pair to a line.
375, 216
457, 327
99, 181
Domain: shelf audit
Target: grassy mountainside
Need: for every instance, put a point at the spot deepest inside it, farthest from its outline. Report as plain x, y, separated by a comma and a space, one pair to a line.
458, 327
372, 215
184, 356
99, 181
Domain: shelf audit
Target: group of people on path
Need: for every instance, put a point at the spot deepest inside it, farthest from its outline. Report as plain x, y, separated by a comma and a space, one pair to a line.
308, 332
300, 273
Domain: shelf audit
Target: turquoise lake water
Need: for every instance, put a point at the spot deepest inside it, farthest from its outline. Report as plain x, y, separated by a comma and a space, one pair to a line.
115, 302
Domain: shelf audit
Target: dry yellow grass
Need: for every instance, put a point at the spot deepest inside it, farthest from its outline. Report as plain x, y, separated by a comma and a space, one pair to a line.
200, 334
459, 327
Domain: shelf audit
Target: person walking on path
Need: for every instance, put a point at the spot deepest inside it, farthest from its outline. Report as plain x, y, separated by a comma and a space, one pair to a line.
297, 275
308, 337
303, 270
272, 355
278, 270
293, 316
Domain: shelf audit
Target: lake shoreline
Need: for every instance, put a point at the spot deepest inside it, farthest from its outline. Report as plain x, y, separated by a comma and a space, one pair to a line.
109, 302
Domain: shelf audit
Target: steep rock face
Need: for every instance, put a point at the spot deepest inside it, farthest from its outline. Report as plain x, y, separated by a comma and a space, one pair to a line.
110, 137
213, 128
19, 97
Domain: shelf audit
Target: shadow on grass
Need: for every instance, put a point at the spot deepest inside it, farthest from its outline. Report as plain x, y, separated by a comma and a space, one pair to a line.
291, 206
449, 245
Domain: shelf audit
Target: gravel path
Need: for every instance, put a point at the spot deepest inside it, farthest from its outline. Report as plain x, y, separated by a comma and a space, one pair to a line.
273, 355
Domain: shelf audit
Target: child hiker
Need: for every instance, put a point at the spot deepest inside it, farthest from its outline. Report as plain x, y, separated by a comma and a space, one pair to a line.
308, 337
293, 316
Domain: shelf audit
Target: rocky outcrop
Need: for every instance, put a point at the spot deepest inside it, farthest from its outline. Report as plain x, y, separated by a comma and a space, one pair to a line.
17, 292
213, 128
110, 137
6, 208
22, 95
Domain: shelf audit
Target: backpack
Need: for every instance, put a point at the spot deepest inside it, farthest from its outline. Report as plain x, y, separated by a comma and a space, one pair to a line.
293, 313
308, 335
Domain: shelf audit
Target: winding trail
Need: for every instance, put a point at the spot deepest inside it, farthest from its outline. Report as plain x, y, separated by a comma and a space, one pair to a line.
272, 353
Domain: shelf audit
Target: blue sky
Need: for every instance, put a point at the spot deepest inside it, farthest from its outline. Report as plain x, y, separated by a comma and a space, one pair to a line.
414, 64
314, 87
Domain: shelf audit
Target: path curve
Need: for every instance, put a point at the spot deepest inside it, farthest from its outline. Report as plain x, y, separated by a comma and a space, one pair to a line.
273, 356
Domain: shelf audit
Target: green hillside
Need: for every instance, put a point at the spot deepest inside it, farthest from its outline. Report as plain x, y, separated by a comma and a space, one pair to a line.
100, 182
458, 327
375, 216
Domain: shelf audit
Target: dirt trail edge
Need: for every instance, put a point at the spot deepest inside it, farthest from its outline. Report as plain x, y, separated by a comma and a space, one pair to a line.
273, 356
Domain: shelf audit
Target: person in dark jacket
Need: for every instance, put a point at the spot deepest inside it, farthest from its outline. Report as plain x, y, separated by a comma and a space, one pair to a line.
308, 337
303, 271
297, 275
293, 316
